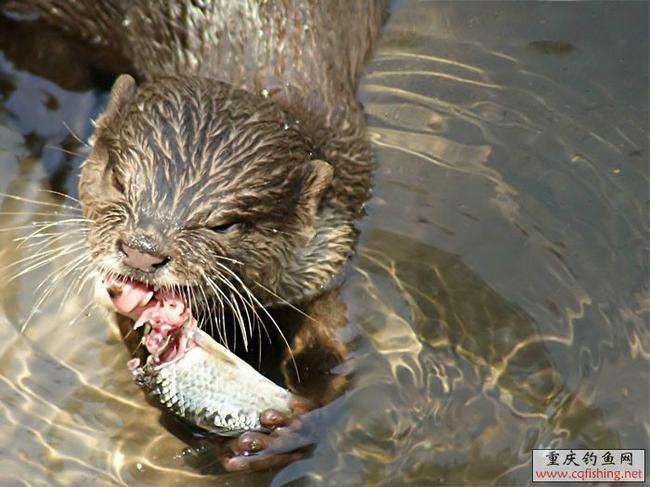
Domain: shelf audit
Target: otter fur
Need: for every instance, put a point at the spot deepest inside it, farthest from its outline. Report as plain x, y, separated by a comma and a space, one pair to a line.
232, 150
250, 99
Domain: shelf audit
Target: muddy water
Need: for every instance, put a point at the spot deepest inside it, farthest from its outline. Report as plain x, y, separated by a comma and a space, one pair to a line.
498, 302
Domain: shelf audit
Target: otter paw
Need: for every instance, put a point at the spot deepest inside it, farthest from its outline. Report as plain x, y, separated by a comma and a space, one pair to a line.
261, 451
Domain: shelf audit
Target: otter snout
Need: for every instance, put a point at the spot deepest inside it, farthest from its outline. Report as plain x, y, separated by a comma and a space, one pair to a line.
140, 254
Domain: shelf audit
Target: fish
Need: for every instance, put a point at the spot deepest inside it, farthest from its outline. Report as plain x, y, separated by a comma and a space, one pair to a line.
210, 387
192, 375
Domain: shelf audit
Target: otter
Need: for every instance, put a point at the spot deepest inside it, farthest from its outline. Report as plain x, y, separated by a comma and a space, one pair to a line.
230, 165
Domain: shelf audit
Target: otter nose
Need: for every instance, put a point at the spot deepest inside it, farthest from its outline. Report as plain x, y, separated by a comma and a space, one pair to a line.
145, 261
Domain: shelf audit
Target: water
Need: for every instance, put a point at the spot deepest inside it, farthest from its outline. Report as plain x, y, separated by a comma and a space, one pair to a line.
499, 297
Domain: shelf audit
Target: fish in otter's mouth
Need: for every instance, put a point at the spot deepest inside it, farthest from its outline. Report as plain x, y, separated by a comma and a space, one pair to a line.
188, 372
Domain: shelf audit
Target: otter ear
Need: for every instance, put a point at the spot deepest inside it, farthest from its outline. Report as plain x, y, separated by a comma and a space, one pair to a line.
318, 177
123, 90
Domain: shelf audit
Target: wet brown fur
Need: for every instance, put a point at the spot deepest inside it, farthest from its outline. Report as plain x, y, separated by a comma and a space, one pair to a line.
195, 145
245, 113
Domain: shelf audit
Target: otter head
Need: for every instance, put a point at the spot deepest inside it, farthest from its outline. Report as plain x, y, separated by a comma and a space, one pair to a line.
194, 184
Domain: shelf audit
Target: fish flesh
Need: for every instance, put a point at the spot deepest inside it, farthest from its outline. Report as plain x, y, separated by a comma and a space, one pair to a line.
187, 371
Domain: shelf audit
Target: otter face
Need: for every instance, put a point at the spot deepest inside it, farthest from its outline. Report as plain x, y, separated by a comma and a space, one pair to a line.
194, 185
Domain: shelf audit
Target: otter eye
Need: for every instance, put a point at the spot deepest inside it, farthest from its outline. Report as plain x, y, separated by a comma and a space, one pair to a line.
224, 227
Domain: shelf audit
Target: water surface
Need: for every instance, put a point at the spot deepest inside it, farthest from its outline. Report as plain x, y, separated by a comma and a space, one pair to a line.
499, 298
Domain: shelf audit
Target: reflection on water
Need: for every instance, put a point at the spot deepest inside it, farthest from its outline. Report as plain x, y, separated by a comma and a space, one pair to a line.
499, 297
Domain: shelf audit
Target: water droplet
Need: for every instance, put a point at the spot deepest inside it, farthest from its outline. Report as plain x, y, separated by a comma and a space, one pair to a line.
139, 467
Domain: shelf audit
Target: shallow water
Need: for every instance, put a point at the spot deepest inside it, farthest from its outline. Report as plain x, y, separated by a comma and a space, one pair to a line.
499, 297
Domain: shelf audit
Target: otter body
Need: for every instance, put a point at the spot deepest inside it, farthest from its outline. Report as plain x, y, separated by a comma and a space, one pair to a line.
230, 175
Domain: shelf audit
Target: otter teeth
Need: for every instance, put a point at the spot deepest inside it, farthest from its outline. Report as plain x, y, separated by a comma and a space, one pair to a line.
146, 298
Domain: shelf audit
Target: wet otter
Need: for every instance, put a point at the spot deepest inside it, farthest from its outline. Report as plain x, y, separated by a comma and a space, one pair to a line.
236, 170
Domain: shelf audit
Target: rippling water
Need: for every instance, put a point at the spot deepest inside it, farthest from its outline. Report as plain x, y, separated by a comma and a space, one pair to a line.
499, 298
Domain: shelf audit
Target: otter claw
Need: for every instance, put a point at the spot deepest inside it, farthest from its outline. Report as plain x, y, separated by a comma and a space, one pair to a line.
260, 451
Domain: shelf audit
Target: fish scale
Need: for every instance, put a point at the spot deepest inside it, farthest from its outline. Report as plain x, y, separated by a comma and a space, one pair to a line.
214, 389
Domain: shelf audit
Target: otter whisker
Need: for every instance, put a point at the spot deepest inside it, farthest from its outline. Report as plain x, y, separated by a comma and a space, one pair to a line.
53, 277
287, 303
89, 274
248, 318
205, 313
217, 290
37, 202
228, 259
193, 300
221, 298
221, 318
203, 307
58, 193
34, 235
65, 151
72, 220
210, 308
275, 323
248, 302
36, 213
78, 270
58, 253
209, 316
42, 253
49, 277
38, 225
187, 293
85, 144
48, 239
178, 291
39, 246
234, 289
46, 293
83, 272
46, 236
250, 295
234, 306
242, 323
23, 227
